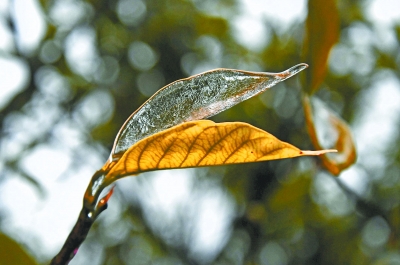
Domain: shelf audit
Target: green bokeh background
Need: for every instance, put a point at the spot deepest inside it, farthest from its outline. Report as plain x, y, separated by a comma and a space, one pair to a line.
285, 212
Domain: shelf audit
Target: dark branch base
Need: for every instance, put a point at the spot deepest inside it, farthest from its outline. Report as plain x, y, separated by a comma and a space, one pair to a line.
75, 238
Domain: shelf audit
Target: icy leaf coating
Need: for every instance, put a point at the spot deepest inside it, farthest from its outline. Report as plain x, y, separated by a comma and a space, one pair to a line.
195, 98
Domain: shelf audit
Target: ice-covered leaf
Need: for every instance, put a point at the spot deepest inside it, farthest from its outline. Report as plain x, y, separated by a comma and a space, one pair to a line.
328, 130
322, 33
203, 143
194, 98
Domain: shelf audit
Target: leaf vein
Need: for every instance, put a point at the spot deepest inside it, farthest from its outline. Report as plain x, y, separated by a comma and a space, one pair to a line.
189, 149
207, 152
243, 143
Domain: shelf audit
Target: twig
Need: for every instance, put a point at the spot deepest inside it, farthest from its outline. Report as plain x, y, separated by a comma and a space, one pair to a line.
87, 216
75, 238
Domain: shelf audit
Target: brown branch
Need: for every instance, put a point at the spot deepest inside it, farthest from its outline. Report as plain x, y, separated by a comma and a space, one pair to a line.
75, 238
87, 216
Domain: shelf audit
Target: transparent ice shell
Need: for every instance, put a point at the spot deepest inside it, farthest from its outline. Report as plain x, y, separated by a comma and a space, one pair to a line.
194, 98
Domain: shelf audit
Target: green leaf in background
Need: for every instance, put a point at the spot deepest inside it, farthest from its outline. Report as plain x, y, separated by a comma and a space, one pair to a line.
11, 253
322, 33
211, 25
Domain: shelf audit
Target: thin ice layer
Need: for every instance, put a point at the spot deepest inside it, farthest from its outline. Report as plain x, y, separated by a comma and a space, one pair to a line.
195, 98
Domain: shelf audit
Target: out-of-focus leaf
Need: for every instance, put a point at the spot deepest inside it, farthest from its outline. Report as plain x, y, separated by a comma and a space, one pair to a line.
211, 25
203, 143
328, 130
291, 203
11, 253
321, 34
195, 98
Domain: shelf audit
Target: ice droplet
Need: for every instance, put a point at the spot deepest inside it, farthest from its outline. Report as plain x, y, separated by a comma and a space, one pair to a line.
194, 98
293, 70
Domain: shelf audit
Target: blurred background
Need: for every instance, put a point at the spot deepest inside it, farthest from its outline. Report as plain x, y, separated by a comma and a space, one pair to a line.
72, 71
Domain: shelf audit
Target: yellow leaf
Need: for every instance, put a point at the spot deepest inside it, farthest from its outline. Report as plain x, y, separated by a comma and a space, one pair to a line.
202, 143
321, 34
336, 129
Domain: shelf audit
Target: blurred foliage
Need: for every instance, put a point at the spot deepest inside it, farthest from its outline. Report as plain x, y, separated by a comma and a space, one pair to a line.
12, 253
316, 113
322, 33
286, 212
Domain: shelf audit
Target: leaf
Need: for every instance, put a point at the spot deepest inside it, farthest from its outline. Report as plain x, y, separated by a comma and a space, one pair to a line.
194, 98
328, 130
12, 253
321, 34
207, 25
203, 143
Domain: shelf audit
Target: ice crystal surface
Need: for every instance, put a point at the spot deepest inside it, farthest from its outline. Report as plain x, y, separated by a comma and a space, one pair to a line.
195, 98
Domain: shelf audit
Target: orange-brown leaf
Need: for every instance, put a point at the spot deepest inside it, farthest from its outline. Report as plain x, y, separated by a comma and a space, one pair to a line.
338, 129
203, 143
321, 34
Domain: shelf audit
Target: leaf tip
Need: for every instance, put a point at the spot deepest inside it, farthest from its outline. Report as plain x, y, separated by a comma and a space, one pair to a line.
317, 153
297, 68
292, 71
